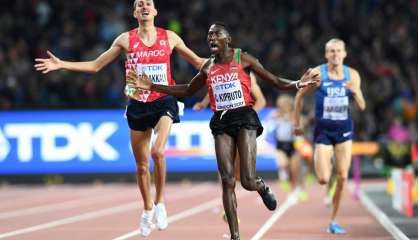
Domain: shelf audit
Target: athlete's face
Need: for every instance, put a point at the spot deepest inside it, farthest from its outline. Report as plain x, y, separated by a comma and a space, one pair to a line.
145, 10
284, 105
218, 38
335, 53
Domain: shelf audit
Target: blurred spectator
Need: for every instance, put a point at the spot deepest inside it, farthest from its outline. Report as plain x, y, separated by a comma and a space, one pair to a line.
397, 148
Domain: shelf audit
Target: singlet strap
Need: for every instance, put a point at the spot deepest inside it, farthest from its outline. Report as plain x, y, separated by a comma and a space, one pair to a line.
237, 55
324, 72
346, 73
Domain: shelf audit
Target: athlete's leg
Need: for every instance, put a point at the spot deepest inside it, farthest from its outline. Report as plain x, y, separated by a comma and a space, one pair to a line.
237, 171
161, 131
140, 146
294, 171
284, 175
225, 148
323, 166
247, 148
343, 161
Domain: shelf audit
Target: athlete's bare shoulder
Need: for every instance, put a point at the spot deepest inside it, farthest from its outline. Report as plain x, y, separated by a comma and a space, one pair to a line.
171, 34
174, 39
122, 41
354, 73
248, 60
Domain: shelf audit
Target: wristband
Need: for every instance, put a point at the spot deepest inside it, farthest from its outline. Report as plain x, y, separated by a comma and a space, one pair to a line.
297, 85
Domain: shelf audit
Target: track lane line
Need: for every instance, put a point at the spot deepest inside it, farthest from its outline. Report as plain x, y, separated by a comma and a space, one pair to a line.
187, 213
381, 217
98, 213
276, 215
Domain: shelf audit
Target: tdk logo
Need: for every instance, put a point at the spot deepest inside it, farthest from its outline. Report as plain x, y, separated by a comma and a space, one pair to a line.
225, 86
81, 141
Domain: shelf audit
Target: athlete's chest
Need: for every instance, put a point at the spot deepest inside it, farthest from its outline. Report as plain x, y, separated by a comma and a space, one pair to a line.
223, 73
333, 88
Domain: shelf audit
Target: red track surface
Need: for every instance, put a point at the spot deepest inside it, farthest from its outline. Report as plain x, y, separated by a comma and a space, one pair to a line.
111, 211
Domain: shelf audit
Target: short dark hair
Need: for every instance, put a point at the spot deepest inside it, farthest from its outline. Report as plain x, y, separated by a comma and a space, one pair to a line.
222, 24
136, 2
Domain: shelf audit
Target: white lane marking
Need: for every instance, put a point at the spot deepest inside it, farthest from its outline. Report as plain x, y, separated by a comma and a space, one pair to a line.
96, 214
60, 206
276, 215
187, 213
73, 219
380, 216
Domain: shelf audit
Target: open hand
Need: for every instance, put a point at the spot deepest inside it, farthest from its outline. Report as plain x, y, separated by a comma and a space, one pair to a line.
138, 80
198, 107
46, 65
298, 131
309, 78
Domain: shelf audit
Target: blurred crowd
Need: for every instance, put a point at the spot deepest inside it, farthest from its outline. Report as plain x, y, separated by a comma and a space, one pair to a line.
286, 36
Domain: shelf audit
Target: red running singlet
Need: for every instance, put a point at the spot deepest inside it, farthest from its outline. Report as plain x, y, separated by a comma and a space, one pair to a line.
229, 86
154, 61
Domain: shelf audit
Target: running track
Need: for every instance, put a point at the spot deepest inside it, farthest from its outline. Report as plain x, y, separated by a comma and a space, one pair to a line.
112, 212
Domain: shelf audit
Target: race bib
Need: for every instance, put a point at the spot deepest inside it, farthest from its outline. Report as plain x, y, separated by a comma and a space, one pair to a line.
157, 73
335, 108
228, 95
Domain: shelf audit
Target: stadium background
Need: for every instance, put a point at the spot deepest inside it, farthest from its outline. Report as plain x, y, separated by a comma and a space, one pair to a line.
287, 36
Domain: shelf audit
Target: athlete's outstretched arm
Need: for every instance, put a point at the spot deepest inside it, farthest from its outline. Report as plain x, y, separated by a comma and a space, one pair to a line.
354, 86
54, 63
297, 123
184, 51
253, 64
143, 82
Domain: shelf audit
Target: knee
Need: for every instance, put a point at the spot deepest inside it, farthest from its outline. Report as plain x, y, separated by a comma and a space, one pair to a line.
228, 182
248, 183
142, 169
323, 180
342, 177
157, 154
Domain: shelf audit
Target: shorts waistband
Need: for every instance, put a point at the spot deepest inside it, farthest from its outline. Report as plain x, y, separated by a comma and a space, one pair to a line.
234, 109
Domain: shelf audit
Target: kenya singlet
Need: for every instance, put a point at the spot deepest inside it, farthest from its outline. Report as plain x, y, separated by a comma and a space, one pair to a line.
154, 61
229, 85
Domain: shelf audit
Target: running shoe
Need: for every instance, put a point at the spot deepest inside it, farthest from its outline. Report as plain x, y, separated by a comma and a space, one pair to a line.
335, 228
284, 185
268, 196
228, 236
292, 198
303, 196
146, 225
161, 216
310, 179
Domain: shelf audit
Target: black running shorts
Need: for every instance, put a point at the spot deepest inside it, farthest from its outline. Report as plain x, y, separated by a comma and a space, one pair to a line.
231, 121
142, 116
286, 147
